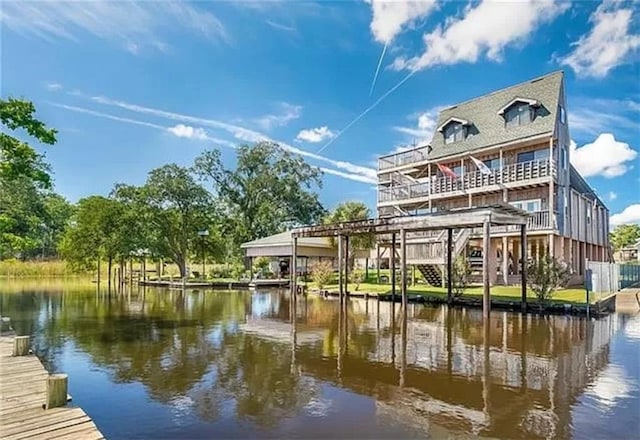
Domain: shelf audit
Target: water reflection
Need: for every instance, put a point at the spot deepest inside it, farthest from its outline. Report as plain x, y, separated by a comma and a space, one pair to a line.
256, 364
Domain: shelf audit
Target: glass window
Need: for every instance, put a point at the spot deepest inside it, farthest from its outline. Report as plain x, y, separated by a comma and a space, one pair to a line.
527, 156
457, 170
563, 116
493, 164
518, 114
453, 132
541, 154
528, 205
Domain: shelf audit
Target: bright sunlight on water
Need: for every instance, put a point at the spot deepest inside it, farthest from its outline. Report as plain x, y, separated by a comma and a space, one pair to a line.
151, 363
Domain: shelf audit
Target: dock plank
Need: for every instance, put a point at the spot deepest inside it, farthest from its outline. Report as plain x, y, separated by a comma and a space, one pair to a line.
23, 388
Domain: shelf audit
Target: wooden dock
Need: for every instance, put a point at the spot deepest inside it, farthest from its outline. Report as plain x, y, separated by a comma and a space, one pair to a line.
23, 394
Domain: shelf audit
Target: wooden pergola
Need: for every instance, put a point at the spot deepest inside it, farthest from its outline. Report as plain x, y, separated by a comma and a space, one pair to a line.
484, 217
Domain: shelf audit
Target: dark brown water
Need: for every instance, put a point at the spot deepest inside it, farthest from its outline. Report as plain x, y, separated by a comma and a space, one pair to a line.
165, 364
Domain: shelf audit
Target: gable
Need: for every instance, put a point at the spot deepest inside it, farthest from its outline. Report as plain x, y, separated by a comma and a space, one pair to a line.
489, 126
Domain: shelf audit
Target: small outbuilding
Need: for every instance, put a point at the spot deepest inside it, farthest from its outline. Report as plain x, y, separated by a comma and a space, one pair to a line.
279, 249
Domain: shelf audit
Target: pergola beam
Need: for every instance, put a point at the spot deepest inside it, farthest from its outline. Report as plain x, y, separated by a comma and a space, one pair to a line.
463, 218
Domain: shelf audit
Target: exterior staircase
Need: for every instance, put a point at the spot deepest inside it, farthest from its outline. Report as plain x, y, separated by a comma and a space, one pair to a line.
431, 273
432, 265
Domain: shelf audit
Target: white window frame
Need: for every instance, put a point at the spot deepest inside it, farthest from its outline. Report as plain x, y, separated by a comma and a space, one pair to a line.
522, 204
454, 132
514, 116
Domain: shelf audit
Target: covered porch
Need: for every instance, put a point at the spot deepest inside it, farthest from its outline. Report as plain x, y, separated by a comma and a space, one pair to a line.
278, 248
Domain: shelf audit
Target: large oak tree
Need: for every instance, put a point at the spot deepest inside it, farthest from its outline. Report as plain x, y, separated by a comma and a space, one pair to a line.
268, 191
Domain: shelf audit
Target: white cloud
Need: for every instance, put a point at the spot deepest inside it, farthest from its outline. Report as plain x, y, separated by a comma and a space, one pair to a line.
241, 133
178, 130
133, 24
487, 28
605, 156
389, 16
426, 125
350, 176
630, 214
594, 119
315, 135
54, 87
186, 131
607, 45
612, 195
287, 113
281, 26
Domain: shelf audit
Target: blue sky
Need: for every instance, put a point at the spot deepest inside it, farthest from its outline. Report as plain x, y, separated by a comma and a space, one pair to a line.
134, 85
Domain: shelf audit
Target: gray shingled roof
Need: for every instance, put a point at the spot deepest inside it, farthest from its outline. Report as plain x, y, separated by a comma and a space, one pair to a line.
488, 127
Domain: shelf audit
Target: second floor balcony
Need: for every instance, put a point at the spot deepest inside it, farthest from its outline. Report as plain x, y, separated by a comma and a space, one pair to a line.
523, 173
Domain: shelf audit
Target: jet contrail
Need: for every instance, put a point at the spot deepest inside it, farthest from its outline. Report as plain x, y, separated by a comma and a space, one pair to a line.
367, 110
375, 76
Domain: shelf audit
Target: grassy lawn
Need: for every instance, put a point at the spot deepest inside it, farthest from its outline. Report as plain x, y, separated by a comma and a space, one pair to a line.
506, 293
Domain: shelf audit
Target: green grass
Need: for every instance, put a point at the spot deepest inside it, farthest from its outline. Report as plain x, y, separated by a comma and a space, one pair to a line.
18, 269
506, 293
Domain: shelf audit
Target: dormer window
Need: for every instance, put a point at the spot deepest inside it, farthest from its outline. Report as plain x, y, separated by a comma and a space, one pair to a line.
453, 133
519, 111
454, 130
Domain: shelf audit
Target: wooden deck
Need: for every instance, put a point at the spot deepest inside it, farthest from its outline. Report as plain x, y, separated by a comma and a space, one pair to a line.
23, 383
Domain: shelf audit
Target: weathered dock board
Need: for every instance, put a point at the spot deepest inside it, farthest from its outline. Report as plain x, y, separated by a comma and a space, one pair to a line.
23, 394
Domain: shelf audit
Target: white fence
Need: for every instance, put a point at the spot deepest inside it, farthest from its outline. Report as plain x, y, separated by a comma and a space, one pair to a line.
605, 278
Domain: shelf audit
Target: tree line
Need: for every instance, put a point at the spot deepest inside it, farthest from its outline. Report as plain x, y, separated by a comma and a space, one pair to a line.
268, 191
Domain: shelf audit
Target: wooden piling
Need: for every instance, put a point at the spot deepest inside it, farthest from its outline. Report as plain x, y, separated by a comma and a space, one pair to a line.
57, 386
24, 395
523, 269
21, 345
486, 289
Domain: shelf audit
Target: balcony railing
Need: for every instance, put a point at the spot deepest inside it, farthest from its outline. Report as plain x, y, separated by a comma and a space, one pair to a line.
517, 172
538, 221
402, 158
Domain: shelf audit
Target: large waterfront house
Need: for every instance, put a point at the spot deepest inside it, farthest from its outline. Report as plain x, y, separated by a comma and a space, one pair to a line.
509, 146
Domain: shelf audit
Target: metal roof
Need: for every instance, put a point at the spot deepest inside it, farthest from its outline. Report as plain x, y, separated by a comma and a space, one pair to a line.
502, 214
284, 239
488, 127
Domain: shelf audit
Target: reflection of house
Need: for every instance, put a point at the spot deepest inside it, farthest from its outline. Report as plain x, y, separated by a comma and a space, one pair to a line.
279, 331
441, 367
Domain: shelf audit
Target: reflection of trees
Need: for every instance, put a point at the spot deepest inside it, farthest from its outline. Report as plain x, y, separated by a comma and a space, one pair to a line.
159, 339
176, 344
257, 374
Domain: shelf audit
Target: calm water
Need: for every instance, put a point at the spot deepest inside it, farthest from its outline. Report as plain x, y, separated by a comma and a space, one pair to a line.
202, 364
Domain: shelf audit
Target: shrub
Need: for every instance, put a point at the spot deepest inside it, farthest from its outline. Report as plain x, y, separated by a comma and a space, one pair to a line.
322, 273
357, 277
460, 273
546, 275
261, 264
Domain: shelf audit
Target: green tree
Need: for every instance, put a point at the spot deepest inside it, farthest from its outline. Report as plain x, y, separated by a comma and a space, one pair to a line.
31, 219
17, 158
461, 271
348, 212
624, 235
98, 230
268, 191
21, 213
173, 207
322, 274
545, 275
